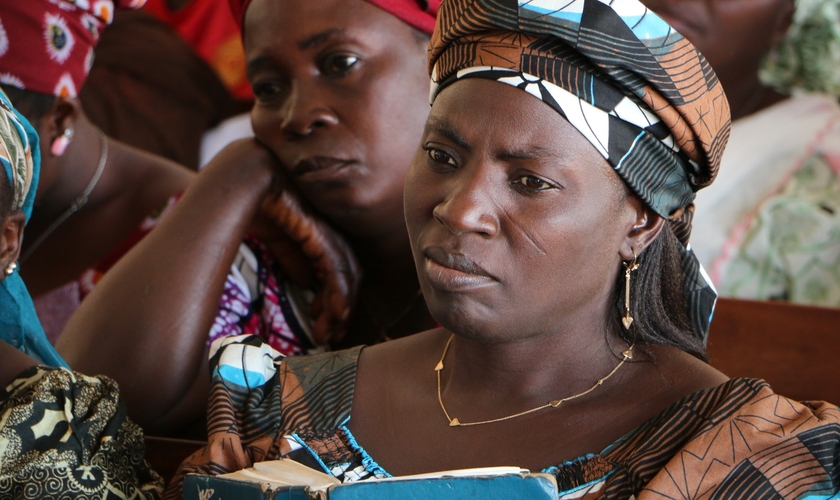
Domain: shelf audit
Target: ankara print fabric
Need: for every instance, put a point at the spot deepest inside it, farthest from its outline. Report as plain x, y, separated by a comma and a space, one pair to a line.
258, 300
638, 91
46, 46
739, 439
66, 435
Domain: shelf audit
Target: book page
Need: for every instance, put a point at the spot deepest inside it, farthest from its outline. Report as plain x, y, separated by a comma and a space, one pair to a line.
284, 472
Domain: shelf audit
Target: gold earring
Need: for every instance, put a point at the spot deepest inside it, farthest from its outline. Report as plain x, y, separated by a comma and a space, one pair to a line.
10, 269
627, 320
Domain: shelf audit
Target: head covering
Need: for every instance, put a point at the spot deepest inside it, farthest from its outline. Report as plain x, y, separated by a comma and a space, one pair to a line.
418, 13
637, 90
21, 159
47, 45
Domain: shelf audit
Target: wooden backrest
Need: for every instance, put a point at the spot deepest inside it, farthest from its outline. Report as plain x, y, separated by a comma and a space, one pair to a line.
166, 454
793, 347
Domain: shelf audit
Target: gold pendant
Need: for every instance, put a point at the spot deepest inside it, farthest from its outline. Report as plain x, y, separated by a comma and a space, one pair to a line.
454, 423
627, 321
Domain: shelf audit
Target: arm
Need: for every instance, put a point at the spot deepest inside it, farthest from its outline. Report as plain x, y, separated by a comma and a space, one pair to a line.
12, 362
146, 322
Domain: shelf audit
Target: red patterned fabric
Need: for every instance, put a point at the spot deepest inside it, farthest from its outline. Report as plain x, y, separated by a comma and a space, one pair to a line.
418, 13
47, 45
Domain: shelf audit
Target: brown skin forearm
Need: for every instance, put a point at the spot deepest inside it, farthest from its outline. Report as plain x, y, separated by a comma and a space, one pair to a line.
12, 362
146, 322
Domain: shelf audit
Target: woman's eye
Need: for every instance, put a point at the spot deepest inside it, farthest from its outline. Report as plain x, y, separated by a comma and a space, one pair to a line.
438, 156
533, 183
338, 64
267, 91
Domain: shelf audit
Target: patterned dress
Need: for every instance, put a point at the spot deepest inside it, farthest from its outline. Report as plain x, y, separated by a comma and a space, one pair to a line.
66, 435
736, 440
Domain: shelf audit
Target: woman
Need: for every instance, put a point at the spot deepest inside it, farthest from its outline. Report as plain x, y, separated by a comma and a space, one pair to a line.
547, 208
342, 106
62, 434
96, 194
780, 237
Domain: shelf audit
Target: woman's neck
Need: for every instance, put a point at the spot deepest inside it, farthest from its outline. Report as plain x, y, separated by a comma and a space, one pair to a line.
74, 172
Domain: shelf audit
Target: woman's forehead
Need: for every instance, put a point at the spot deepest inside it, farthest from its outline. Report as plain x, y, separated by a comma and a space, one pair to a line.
299, 24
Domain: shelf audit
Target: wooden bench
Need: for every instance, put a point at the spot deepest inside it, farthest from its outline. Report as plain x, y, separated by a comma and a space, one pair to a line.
793, 347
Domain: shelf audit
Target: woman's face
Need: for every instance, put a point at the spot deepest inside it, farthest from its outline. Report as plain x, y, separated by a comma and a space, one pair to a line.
734, 35
341, 97
515, 220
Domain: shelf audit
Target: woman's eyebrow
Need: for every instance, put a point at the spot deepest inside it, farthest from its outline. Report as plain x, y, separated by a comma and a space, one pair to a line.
319, 38
527, 153
443, 127
258, 64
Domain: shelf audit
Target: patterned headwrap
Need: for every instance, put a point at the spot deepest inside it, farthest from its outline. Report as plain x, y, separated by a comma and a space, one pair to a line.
47, 45
418, 13
21, 159
637, 90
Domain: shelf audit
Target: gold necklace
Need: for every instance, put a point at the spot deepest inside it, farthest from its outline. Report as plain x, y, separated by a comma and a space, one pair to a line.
454, 422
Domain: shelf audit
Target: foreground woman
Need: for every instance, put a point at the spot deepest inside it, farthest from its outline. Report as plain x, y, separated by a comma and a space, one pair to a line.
62, 434
549, 230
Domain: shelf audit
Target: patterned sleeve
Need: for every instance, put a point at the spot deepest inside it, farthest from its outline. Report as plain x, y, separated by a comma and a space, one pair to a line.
767, 447
243, 414
63, 434
256, 300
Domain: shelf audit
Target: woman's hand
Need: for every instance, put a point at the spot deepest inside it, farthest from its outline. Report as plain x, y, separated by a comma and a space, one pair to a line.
331, 260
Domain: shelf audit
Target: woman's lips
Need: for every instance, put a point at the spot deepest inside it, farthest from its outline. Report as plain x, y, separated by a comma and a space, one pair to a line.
320, 168
454, 272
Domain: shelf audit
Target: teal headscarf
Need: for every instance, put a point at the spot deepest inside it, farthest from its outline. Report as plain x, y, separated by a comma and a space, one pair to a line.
21, 159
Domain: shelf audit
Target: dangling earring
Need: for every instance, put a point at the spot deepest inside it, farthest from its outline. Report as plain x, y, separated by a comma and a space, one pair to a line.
627, 320
59, 145
10, 269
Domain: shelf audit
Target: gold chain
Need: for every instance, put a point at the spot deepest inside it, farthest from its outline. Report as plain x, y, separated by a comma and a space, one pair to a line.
454, 422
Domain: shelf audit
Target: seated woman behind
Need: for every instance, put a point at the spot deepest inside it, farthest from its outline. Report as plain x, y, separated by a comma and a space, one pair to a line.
341, 102
770, 227
97, 196
62, 434
548, 209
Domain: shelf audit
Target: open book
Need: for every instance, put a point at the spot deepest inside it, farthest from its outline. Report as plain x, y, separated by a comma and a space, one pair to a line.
291, 480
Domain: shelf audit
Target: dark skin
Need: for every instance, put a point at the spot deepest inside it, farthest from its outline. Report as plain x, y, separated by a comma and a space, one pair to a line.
342, 106
735, 36
364, 113
133, 185
518, 228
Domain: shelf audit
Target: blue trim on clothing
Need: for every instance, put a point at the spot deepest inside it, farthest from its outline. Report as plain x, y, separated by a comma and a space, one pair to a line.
305, 446
368, 462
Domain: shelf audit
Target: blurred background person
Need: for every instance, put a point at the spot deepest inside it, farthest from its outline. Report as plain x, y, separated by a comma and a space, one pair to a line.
769, 229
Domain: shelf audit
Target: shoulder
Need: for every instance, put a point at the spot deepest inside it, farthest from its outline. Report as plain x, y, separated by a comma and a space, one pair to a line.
735, 434
252, 378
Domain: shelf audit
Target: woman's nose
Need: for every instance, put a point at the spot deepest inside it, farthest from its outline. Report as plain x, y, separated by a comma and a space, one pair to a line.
305, 111
469, 207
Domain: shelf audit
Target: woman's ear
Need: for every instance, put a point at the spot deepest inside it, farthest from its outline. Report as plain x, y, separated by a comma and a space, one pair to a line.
646, 228
57, 127
10, 239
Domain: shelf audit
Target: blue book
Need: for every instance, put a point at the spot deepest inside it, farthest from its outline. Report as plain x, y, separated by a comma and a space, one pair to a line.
289, 480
